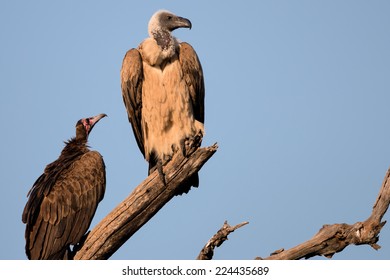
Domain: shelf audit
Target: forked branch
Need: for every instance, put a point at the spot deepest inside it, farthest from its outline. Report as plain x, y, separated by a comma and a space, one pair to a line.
221, 236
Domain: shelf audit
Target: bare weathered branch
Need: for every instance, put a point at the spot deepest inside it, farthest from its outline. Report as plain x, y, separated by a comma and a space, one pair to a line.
141, 205
151, 195
221, 236
334, 238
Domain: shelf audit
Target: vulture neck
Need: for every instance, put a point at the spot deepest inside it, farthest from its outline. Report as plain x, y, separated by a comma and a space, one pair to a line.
75, 146
166, 42
164, 39
81, 134
80, 141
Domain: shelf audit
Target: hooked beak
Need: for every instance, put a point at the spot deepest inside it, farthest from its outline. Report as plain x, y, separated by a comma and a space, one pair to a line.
184, 22
94, 120
179, 22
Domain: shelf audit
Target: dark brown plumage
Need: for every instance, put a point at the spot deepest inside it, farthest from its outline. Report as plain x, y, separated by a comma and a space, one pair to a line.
63, 200
163, 91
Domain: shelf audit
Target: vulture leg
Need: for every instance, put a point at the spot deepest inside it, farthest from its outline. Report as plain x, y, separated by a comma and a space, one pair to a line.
161, 174
156, 163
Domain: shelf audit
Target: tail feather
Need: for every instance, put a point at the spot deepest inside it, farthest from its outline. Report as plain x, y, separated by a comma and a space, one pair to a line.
185, 187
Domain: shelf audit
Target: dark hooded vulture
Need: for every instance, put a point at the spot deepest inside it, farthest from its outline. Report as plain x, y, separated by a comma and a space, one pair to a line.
63, 200
163, 91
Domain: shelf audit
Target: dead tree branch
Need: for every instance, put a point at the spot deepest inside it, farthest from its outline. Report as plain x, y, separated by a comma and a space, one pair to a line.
334, 238
221, 236
141, 205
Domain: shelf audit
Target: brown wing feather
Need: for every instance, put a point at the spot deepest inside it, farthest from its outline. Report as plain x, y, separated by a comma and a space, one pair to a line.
131, 82
65, 213
193, 75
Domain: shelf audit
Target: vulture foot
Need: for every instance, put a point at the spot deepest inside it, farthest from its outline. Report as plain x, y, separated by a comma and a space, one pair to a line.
191, 144
71, 253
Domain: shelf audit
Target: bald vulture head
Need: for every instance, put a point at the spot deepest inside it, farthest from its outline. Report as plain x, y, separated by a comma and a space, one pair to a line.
84, 126
162, 23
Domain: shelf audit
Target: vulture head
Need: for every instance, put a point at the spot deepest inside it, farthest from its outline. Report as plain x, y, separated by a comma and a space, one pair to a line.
164, 22
84, 126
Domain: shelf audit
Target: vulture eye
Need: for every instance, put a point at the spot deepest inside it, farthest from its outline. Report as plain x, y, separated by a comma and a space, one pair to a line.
169, 17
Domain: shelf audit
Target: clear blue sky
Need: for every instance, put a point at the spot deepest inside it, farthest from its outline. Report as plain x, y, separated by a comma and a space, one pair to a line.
297, 96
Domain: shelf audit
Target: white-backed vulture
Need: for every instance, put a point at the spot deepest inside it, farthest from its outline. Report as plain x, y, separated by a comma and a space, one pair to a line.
163, 91
63, 200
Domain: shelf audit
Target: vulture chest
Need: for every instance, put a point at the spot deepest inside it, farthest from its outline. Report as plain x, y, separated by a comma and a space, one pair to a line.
167, 113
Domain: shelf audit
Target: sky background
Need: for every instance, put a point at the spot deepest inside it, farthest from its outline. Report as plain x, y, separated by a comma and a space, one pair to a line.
297, 97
